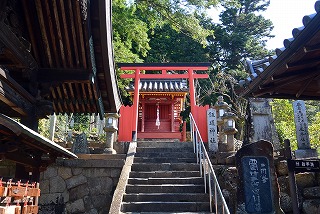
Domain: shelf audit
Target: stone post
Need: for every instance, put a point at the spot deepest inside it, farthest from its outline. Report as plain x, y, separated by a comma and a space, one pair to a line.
212, 130
110, 129
300, 119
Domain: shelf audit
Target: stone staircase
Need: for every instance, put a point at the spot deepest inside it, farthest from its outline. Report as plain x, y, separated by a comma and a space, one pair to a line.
165, 178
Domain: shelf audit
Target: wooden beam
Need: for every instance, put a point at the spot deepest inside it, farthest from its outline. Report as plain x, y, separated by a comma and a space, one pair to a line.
48, 75
306, 85
51, 33
43, 33
73, 34
165, 66
79, 30
16, 98
304, 63
28, 17
59, 33
12, 42
165, 76
65, 33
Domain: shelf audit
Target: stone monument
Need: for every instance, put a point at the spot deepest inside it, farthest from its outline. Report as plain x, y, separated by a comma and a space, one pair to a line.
260, 124
258, 189
80, 146
301, 122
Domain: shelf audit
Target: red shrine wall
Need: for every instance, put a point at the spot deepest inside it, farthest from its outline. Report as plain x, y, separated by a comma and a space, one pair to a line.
151, 130
200, 116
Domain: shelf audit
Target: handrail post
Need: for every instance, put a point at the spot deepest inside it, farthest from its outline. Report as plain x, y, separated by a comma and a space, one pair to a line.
200, 159
210, 191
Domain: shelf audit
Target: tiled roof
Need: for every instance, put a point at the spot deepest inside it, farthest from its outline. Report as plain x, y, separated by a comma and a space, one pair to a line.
161, 85
279, 75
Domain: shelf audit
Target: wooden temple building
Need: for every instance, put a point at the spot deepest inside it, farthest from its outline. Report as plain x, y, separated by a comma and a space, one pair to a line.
55, 57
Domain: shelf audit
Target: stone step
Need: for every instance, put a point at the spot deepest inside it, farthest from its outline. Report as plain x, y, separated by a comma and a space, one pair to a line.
164, 174
165, 207
165, 167
173, 197
164, 160
165, 188
150, 181
166, 155
158, 150
169, 212
165, 144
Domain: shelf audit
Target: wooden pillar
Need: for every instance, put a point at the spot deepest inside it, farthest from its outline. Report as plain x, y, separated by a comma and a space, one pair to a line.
172, 115
192, 91
143, 102
135, 105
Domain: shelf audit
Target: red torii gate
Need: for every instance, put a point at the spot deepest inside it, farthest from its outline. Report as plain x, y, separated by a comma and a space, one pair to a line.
163, 67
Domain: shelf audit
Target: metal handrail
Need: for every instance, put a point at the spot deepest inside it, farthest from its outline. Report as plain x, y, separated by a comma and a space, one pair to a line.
206, 169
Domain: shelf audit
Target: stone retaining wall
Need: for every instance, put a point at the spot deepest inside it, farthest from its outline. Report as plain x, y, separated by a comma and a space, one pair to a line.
308, 188
79, 186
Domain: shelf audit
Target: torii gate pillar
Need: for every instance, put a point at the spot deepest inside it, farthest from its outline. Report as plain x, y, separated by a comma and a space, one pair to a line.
163, 67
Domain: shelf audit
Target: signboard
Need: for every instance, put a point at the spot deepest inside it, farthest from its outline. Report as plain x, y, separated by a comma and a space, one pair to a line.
257, 184
300, 119
212, 130
303, 165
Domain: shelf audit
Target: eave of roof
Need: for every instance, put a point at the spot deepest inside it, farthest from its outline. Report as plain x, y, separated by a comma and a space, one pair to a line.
161, 85
263, 69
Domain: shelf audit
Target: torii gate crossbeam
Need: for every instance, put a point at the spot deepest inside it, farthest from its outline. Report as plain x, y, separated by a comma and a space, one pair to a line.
163, 67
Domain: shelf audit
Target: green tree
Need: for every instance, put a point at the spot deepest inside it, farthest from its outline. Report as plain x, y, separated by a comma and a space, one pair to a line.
242, 33
282, 112
182, 16
314, 131
168, 45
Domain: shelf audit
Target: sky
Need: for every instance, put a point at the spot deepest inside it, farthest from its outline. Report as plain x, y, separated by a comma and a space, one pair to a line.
285, 15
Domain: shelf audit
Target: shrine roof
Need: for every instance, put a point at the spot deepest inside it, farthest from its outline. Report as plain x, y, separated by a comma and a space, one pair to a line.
160, 85
293, 72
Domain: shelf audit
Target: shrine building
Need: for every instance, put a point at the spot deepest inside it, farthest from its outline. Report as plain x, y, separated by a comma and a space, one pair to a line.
159, 91
161, 101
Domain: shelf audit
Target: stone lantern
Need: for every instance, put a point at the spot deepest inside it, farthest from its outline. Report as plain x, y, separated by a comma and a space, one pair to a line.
221, 107
110, 129
229, 129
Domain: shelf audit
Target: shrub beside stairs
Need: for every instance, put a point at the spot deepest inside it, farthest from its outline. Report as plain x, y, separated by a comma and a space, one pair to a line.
161, 177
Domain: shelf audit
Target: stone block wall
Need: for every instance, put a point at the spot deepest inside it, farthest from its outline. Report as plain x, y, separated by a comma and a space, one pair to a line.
79, 186
308, 189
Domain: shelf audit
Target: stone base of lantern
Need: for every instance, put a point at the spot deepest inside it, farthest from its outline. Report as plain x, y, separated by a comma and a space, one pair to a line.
223, 158
306, 153
225, 147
